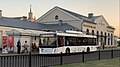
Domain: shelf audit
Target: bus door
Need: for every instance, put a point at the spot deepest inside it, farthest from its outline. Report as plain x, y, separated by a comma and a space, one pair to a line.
60, 41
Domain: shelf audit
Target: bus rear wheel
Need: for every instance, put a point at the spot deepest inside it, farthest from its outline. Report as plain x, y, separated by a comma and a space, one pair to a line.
67, 51
88, 49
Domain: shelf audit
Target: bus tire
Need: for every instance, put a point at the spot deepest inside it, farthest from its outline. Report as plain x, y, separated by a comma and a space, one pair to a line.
88, 50
67, 51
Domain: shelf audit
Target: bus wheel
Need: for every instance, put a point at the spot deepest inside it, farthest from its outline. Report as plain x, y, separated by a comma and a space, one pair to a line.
88, 49
67, 51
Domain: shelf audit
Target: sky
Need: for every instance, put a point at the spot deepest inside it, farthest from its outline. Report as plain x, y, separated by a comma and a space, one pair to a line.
108, 8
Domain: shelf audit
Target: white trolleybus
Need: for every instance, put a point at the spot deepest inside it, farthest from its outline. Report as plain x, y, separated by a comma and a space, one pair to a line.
66, 42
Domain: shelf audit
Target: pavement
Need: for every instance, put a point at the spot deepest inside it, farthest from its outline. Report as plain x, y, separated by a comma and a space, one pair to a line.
12, 53
109, 48
37, 52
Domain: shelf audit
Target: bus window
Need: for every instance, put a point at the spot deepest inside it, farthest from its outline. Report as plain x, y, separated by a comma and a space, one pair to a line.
60, 41
48, 42
72, 41
66, 41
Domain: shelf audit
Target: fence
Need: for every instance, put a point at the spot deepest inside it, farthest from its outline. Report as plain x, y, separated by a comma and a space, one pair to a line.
39, 60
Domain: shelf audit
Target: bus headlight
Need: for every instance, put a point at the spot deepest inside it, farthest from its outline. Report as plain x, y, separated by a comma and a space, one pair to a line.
42, 50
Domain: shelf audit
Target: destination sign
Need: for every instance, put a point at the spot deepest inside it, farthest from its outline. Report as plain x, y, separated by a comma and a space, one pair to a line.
47, 35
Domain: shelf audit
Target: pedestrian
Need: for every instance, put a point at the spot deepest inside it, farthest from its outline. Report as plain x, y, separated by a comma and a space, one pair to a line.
25, 46
18, 47
103, 45
34, 46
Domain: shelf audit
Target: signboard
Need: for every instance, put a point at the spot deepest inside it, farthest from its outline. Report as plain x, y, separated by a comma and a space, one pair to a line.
16, 39
10, 43
4, 44
22, 40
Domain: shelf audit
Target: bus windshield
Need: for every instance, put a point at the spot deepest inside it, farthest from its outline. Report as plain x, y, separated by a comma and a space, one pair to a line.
48, 41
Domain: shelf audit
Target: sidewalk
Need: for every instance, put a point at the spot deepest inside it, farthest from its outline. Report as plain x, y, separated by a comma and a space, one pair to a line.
37, 52
11, 53
109, 48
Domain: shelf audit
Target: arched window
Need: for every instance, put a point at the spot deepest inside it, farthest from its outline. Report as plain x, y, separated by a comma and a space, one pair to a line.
87, 31
98, 37
92, 32
105, 37
56, 17
97, 33
101, 33
101, 38
108, 38
105, 33
111, 39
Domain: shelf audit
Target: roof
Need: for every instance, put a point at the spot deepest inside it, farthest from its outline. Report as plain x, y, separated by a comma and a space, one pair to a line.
24, 24
10, 22
24, 32
57, 27
110, 27
79, 16
76, 15
94, 17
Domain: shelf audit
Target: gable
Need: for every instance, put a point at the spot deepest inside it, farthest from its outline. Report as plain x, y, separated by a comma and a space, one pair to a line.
62, 15
101, 21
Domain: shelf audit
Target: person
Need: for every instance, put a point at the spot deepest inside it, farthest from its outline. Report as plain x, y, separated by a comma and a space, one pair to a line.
39, 44
103, 45
34, 46
4, 50
10, 46
25, 47
18, 46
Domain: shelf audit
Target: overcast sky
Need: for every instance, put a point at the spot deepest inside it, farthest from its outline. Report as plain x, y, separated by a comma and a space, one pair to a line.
108, 8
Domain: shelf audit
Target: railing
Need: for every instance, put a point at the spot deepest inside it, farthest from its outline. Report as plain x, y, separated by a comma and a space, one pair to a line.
40, 60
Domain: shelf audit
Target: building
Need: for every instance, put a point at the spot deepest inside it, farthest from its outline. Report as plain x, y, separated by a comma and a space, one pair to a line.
59, 19
8, 23
91, 25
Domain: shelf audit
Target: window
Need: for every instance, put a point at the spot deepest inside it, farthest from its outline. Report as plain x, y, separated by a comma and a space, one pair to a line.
97, 37
92, 32
101, 33
89, 41
97, 32
35, 38
105, 38
48, 41
87, 31
111, 39
79, 41
56, 17
60, 41
72, 41
108, 38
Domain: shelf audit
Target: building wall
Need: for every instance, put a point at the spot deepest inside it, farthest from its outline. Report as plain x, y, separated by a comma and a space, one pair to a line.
3, 31
61, 16
65, 17
105, 36
100, 25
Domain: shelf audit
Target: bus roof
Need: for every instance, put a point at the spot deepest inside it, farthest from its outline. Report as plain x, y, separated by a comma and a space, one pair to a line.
70, 33
75, 35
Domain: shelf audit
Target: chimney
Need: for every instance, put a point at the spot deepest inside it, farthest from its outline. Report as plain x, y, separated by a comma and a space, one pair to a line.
0, 13
24, 18
90, 15
60, 22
